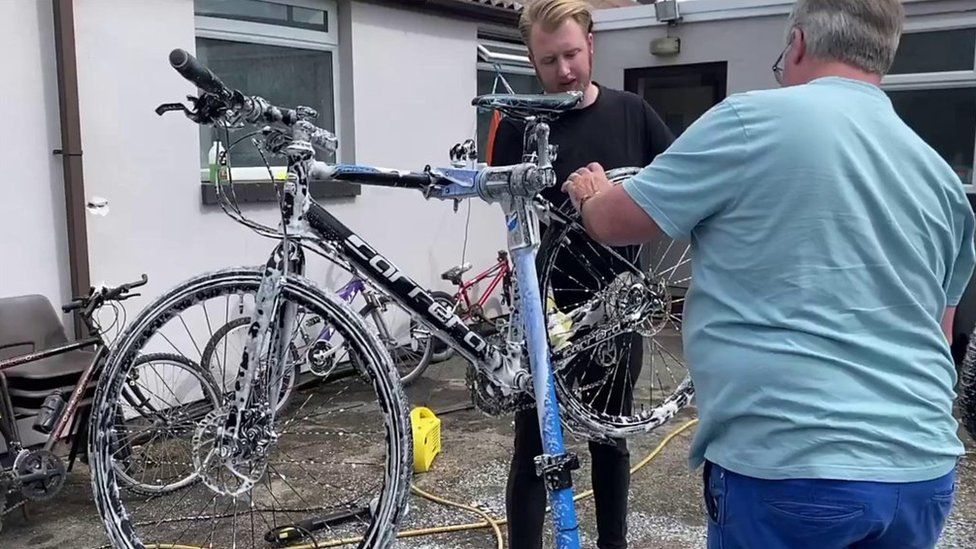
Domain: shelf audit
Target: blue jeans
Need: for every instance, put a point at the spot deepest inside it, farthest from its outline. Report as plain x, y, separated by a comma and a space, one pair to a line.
752, 513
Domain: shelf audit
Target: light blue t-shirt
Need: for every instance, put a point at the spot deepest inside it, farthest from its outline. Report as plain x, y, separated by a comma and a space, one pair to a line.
827, 241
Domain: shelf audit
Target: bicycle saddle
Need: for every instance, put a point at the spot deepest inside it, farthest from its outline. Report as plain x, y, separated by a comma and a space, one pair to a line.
454, 273
524, 106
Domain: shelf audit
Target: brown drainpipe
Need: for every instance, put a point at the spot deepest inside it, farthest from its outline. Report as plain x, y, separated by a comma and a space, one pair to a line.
70, 151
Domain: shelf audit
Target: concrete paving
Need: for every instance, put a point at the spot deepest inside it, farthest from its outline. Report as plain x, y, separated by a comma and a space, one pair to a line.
665, 503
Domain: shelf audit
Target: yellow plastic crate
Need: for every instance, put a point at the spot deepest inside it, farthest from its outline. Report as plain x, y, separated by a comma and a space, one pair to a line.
426, 438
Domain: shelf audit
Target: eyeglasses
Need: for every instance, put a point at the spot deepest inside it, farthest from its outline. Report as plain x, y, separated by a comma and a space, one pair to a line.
778, 65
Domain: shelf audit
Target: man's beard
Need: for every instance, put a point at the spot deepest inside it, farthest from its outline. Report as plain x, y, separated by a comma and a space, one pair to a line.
582, 83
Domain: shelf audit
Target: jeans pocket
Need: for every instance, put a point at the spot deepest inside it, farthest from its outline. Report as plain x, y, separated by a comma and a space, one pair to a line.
945, 496
714, 492
821, 511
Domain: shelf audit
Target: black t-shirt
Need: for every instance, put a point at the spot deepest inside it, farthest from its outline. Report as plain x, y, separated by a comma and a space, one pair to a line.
618, 130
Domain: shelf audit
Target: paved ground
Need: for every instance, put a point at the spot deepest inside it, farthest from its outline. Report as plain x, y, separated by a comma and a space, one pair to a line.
665, 508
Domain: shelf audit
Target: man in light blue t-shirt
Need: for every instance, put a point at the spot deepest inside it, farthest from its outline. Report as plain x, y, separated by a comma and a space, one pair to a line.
830, 248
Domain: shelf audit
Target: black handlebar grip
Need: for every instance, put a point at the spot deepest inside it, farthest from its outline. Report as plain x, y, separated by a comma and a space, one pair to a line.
195, 72
74, 305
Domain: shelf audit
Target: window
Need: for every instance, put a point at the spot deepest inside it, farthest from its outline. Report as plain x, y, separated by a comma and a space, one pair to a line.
932, 86
283, 51
946, 120
936, 51
499, 63
260, 11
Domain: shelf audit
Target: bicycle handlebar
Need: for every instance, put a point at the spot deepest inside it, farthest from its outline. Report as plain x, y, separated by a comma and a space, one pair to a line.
252, 109
96, 297
201, 76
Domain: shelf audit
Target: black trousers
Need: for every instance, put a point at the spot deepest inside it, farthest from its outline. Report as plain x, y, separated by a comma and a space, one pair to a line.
525, 494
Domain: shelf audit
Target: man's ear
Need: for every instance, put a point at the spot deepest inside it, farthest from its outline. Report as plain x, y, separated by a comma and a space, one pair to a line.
798, 46
589, 42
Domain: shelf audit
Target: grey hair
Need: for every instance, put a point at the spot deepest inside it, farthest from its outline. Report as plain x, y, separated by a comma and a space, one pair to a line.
862, 33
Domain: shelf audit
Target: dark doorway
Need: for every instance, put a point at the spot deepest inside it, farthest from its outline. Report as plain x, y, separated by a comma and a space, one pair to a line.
679, 93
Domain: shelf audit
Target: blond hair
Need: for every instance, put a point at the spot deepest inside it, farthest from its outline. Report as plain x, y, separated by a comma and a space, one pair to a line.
550, 14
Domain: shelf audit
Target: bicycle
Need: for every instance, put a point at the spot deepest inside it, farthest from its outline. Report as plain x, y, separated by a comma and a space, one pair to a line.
966, 388
409, 345
38, 474
474, 313
243, 450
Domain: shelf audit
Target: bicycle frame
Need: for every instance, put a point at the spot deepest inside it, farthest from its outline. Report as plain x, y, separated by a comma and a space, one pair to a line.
347, 293
77, 394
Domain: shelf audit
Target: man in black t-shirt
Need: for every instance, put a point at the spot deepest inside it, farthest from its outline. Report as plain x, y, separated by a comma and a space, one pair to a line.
616, 129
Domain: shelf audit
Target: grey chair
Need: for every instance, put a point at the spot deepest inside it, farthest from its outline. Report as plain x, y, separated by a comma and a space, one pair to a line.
30, 324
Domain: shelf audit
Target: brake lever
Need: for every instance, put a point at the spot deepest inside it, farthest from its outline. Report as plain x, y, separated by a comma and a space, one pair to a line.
167, 107
206, 109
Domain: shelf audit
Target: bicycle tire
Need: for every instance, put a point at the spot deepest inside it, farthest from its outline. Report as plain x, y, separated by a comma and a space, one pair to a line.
408, 372
388, 508
130, 483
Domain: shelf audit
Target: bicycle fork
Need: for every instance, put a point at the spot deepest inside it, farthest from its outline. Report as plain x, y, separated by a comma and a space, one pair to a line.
555, 466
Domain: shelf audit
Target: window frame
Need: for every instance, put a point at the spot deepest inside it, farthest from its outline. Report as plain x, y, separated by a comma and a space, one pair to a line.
251, 32
938, 80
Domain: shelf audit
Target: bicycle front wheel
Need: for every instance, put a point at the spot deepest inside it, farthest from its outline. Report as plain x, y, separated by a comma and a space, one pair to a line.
163, 398
345, 450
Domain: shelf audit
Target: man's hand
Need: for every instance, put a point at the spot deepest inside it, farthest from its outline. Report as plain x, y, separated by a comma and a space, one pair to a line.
586, 183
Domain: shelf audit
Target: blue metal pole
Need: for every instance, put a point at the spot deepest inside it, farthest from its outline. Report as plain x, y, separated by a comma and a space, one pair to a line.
563, 507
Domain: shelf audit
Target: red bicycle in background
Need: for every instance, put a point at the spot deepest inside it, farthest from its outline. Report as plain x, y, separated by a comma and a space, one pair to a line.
473, 313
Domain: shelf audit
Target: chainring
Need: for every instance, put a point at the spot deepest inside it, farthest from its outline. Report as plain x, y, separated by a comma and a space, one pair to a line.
321, 358
41, 461
486, 395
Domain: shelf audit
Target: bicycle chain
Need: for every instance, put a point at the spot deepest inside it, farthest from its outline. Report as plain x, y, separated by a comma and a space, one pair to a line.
7, 510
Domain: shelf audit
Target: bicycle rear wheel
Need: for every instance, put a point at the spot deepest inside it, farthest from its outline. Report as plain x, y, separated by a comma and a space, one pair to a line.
616, 327
346, 448
222, 357
410, 344
967, 387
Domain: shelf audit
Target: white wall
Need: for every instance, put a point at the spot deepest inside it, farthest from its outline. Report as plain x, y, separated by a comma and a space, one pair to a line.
414, 76
146, 166
748, 45
33, 230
